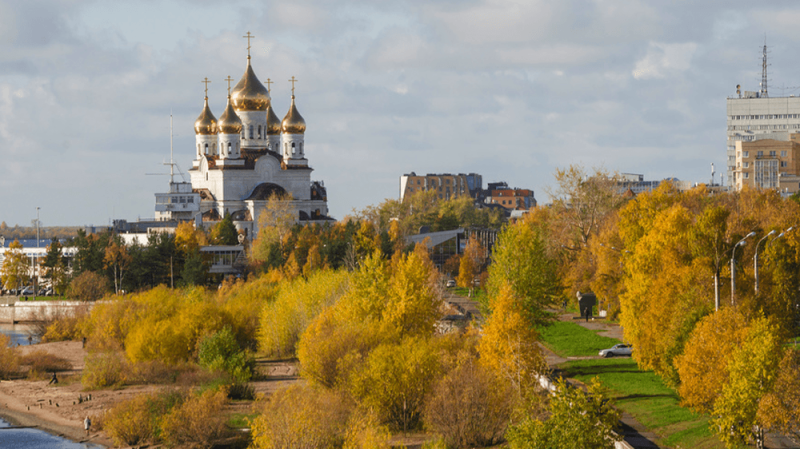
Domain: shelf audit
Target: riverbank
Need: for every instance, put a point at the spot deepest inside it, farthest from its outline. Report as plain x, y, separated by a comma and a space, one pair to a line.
56, 409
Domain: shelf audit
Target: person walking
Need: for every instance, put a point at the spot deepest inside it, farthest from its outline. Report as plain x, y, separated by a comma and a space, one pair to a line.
87, 423
54, 379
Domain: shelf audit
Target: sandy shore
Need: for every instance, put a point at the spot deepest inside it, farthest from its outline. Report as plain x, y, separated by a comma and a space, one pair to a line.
56, 409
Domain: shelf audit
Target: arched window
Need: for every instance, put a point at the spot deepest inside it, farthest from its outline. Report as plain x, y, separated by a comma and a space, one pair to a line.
301, 147
286, 148
206, 149
251, 131
293, 149
259, 131
229, 148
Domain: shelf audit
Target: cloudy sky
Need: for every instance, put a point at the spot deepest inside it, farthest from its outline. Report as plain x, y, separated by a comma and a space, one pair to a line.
508, 89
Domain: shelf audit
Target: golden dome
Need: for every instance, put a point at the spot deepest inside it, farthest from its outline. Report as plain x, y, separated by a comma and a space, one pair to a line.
206, 123
293, 123
273, 122
249, 94
229, 122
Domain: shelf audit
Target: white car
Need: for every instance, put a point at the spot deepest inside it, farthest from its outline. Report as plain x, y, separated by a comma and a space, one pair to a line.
617, 350
450, 283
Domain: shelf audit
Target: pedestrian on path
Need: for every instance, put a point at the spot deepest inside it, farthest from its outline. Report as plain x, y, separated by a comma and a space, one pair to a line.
87, 423
54, 379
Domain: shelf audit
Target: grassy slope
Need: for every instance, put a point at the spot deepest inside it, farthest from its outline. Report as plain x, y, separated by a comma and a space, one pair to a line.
569, 339
640, 393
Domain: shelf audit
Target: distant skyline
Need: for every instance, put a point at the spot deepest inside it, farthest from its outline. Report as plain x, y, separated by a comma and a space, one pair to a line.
508, 89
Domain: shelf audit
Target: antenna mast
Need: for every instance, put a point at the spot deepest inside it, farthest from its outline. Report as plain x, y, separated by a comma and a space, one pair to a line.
764, 65
171, 161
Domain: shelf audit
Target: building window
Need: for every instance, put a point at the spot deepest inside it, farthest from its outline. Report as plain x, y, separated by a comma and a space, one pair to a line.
251, 131
747, 175
746, 165
746, 154
259, 131
293, 148
772, 153
759, 154
783, 154
784, 164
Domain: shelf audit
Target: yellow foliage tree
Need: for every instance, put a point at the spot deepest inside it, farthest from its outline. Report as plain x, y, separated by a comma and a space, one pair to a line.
779, 410
753, 370
15, 270
508, 346
703, 367
412, 304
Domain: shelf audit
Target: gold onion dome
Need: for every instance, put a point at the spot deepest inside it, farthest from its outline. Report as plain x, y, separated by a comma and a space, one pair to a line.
249, 94
206, 123
293, 123
273, 122
229, 122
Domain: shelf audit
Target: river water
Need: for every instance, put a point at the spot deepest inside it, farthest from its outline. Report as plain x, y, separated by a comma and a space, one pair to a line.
36, 439
31, 438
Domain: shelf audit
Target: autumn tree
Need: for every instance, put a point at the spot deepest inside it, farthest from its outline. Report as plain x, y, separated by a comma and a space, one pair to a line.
509, 344
753, 371
224, 232
412, 304
117, 259
521, 261
577, 420
703, 366
471, 263
779, 410
274, 225
15, 271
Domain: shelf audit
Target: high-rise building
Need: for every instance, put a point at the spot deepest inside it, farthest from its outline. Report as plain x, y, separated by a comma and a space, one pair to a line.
769, 164
754, 115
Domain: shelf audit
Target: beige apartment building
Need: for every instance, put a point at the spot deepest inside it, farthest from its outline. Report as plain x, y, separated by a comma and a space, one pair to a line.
769, 163
447, 186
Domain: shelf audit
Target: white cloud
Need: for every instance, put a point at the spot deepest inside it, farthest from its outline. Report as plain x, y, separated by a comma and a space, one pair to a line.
663, 60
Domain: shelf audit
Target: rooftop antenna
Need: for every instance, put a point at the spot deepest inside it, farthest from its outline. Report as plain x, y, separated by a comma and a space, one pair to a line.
171, 162
764, 69
712, 173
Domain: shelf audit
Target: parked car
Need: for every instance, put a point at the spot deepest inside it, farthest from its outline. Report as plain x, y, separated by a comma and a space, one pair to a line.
617, 350
450, 283
27, 291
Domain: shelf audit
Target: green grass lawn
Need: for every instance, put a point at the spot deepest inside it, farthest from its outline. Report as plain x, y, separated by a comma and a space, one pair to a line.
569, 339
477, 295
640, 393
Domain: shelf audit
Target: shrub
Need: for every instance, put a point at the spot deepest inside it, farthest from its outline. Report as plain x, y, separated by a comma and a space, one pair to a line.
131, 422
300, 417
40, 361
137, 421
197, 422
469, 407
221, 352
9, 359
103, 369
88, 286
153, 372
365, 432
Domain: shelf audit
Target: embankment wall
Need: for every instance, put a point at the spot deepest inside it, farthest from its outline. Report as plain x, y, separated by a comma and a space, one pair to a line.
33, 311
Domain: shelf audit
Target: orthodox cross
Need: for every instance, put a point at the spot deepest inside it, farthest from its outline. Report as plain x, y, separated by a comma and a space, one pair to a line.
248, 37
269, 85
206, 81
229, 79
293, 80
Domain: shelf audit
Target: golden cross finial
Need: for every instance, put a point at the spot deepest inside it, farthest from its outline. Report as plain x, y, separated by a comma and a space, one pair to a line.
206, 81
293, 80
229, 79
269, 83
248, 37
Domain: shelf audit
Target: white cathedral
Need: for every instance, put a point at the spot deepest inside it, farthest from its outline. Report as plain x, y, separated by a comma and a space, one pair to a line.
243, 158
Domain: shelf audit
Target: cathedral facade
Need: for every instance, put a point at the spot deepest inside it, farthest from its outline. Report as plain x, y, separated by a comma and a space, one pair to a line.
248, 155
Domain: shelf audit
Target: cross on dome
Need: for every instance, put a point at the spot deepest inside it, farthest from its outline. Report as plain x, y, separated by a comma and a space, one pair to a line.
206, 81
269, 85
229, 79
293, 80
248, 37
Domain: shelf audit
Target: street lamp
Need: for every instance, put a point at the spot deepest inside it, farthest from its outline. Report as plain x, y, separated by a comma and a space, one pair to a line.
733, 265
755, 257
37, 227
